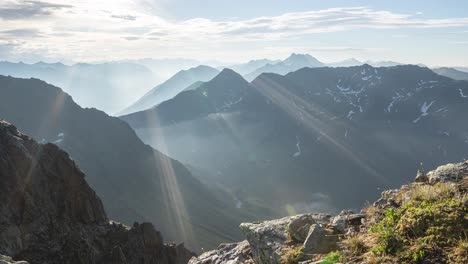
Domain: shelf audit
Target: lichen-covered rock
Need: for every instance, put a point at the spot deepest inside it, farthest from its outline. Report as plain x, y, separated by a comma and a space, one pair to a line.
235, 253
49, 214
452, 172
268, 239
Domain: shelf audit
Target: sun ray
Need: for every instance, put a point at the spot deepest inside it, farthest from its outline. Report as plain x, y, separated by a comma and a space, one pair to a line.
303, 112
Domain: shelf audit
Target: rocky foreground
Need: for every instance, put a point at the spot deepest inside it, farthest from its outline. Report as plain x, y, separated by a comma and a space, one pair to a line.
422, 222
49, 214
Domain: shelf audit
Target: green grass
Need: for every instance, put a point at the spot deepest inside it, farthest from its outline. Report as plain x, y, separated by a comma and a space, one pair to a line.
331, 258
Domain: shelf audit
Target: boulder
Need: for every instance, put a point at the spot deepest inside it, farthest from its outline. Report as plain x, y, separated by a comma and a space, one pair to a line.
268, 239
299, 226
320, 240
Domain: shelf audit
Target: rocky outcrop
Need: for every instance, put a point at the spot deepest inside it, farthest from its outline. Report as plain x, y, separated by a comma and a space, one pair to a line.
9, 260
268, 241
49, 214
452, 172
234, 253
309, 238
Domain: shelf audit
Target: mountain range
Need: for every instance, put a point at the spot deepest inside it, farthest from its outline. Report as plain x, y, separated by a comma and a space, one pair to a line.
134, 181
322, 134
292, 63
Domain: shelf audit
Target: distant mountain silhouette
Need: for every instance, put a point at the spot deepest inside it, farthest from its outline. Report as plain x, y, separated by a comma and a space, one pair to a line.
290, 64
452, 73
246, 68
171, 87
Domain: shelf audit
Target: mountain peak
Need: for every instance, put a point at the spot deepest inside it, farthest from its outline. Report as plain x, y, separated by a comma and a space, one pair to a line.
304, 59
228, 75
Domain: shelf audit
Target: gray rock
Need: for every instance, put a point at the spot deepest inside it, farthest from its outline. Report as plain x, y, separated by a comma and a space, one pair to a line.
320, 240
268, 239
235, 253
346, 219
299, 226
452, 172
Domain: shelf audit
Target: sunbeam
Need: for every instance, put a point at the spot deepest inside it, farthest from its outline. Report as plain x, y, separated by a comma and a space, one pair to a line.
304, 113
173, 198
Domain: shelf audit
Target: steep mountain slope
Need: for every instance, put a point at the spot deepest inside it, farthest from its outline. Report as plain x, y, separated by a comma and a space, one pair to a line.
322, 134
107, 86
171, 87
452, 73
135, 182
49, 214
290, 64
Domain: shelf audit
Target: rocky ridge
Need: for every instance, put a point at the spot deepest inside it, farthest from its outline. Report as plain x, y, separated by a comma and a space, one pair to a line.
364, 237
49, 214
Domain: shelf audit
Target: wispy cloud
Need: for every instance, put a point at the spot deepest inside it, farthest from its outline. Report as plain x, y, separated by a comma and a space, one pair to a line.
124, 17
22, 33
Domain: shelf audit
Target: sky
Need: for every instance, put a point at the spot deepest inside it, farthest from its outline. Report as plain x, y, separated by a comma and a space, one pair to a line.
432, 32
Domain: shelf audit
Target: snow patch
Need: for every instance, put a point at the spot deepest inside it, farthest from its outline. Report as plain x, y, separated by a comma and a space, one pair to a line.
298, 146
59, 139
350, 114
462, 94
445, 133
424, 108
395, 98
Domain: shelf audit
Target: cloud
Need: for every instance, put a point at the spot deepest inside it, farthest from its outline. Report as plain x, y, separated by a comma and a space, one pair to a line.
330, 20
131, 38
14, 10
21, 33
124, 17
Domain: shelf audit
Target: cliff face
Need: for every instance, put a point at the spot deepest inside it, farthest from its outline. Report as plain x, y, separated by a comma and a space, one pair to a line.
49, 214
422, 222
